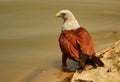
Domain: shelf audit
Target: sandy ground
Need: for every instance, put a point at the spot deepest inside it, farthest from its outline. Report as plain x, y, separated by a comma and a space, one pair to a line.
29, 30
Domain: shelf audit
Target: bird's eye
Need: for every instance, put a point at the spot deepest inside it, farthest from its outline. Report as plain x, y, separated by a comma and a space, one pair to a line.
63, 14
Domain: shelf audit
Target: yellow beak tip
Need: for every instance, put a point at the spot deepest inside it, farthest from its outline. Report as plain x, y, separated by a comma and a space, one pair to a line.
58, 14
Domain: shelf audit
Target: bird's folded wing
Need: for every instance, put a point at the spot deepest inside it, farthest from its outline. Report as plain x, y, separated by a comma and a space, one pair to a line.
84, 41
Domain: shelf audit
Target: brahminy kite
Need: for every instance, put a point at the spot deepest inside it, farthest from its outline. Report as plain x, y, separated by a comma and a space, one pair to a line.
75, 42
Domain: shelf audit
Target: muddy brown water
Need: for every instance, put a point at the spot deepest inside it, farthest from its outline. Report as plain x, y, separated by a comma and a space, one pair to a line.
29, 30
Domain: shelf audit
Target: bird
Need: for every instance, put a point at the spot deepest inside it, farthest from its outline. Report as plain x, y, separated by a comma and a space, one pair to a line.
75, 42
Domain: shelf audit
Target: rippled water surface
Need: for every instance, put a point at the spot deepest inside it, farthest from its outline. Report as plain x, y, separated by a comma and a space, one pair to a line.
29, 30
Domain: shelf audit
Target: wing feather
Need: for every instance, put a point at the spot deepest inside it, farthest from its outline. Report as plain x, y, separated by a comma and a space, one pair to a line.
68, 45
75, 42
85, 41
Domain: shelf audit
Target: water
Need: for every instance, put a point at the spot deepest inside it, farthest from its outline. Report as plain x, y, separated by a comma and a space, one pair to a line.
29, 31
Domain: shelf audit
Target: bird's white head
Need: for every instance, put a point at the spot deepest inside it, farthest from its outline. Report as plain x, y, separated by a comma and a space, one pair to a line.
70, 22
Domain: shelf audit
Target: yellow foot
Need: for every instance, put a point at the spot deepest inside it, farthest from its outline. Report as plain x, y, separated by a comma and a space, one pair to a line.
88, 67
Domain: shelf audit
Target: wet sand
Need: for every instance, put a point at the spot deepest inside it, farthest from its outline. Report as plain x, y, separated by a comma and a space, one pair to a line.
29, 30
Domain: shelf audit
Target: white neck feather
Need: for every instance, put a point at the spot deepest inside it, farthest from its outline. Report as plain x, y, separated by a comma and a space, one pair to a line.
70, 24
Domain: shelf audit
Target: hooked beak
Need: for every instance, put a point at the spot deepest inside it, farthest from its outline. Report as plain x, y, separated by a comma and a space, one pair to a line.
58, 14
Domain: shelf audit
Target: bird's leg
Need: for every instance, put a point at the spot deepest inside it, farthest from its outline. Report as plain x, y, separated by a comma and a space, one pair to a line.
81, 61
64, 62
81, 64
84, 66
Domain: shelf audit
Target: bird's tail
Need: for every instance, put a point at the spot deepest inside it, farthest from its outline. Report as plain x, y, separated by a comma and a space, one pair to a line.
95, 60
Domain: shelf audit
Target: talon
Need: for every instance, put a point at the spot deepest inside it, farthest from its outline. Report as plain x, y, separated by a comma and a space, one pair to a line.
88, 67
64, 68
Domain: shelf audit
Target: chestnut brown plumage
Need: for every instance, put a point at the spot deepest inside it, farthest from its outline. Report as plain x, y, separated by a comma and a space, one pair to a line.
75, 42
